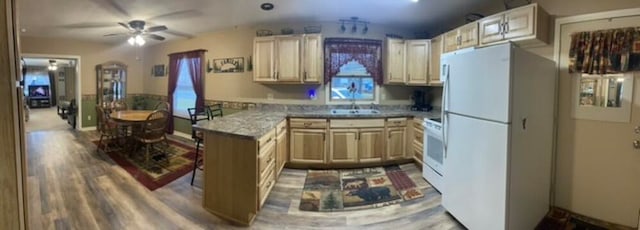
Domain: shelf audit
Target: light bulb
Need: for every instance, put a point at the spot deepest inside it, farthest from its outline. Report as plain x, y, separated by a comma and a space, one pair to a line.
414, 0
132, 41
139, 40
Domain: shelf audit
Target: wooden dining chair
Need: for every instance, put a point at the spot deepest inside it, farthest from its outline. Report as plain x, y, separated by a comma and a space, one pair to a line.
197, 136
153, 133
108, 130
162, 105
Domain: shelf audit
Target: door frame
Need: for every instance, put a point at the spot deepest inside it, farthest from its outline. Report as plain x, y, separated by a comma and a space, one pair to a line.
556, 57
78, 79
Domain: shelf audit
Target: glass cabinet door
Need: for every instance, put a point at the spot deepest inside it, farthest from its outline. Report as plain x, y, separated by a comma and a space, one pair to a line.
111, 83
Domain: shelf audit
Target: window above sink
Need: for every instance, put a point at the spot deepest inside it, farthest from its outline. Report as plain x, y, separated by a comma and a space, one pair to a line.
352, 84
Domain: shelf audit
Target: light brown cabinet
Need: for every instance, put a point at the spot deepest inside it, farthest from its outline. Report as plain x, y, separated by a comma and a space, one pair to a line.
434, 61
418, 62
395, 61
407, 61
264, 49
343, 146
288, 59
371, 145
417, 140
460, 38
396, 143
527, 24
288, 56
313, 61
282, 147
308, 145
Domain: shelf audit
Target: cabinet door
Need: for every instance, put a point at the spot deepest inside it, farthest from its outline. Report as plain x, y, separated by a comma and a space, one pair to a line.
313, 61
395, 61
491, 29
288, 58
371, 145
450, 41
434, 61
396, 143
281, 151
468, 35
519, 23
263, 59
343, 146
417, 62
308, 145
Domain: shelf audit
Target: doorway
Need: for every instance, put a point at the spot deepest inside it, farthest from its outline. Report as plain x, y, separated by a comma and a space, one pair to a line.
50, 91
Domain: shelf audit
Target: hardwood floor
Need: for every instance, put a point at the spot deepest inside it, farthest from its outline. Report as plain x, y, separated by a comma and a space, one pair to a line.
71, 186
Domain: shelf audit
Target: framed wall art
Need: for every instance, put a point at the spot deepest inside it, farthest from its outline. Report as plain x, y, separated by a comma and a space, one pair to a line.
228, 65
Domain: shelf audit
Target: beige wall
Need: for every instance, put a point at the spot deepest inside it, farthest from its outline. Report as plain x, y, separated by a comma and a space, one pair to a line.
238, 42
91, 54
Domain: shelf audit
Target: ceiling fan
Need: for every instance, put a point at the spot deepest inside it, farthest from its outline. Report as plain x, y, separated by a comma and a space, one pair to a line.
137, 32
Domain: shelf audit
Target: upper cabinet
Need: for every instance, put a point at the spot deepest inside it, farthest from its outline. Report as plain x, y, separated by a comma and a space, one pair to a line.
312, 60
460, 38
418, 62
264, 49
434, 60
407, 61
395, 55
288, 59
527, 24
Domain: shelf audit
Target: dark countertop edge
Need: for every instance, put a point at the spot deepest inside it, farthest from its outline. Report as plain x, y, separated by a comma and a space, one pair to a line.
311, 116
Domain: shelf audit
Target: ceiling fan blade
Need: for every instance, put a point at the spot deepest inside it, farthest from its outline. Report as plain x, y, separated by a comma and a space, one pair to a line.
124, 25
179, 34
154, 36
156, 29
177, 14
116, 34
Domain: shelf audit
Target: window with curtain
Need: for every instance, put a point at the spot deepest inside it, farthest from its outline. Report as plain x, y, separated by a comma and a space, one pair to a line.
184, 96
353, 75
353, 67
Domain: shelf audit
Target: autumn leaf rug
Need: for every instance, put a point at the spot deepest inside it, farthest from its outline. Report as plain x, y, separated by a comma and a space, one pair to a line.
352, 189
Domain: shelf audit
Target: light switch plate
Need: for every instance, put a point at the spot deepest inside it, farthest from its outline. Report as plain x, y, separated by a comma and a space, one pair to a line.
89, 117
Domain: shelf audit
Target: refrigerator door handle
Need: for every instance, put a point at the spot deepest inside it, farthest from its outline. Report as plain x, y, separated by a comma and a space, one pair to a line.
445, 112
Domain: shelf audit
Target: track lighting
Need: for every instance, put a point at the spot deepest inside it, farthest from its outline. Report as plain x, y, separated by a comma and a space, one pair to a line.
354, 21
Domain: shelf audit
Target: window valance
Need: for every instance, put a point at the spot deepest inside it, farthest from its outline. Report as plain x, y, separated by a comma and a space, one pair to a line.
605, 51
340, 51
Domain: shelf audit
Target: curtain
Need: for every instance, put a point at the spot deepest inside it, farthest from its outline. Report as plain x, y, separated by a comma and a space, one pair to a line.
340, 51
605, 51
174, 70
195, 60
53, 95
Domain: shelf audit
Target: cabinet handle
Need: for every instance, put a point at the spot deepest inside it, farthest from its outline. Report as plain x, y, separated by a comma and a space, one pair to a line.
304, 75
506, 27
270, 159
307, 124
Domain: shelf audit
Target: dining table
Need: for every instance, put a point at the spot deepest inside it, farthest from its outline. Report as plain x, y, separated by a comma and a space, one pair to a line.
130, 116
126, 119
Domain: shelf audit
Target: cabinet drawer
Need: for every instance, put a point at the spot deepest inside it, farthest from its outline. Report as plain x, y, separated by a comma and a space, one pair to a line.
282, 127
308, 123
417, 152
357, 123
417, 124
268, 138
418, 135
396, 122
265, 187
266, 159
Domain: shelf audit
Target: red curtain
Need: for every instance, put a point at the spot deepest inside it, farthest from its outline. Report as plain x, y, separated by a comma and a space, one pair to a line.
605, 51
340, 51
194, 60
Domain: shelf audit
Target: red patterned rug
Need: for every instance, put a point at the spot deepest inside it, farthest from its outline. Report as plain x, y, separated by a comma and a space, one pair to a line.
162, 171
332, 190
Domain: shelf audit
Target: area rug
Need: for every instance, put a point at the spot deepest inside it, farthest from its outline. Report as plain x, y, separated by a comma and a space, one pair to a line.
353, 189
162, 172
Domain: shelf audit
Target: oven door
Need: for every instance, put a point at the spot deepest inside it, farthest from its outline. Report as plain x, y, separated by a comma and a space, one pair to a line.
434, 151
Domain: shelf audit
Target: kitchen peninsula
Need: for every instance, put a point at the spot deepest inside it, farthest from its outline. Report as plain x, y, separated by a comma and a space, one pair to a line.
245, 152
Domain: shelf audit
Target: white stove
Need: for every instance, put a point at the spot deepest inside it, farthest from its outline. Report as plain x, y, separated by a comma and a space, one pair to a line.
433, 155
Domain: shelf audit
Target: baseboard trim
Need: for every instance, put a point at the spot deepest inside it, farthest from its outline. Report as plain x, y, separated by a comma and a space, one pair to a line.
181, 134
90, 128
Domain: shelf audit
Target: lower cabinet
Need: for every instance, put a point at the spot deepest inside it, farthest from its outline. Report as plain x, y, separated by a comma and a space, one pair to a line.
343, 146
371, 145
396, 143
282, 147
308, 145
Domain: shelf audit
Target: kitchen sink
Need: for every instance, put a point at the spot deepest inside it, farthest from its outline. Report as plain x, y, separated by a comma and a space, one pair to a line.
355, 111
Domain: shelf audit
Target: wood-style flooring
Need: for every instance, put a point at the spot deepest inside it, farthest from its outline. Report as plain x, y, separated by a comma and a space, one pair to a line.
72, 186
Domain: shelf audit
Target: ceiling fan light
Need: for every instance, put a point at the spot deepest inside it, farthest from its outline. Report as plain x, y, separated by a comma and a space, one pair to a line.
132, 41
139, 40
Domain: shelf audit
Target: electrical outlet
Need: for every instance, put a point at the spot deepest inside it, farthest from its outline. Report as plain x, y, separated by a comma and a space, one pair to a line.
89, 117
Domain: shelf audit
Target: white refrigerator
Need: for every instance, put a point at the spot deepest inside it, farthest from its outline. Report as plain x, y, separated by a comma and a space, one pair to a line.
498, 135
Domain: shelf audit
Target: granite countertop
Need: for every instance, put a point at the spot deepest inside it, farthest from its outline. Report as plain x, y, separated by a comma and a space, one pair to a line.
253, 124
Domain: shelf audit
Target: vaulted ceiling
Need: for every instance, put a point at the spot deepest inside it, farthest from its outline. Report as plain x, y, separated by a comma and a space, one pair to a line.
91, 19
